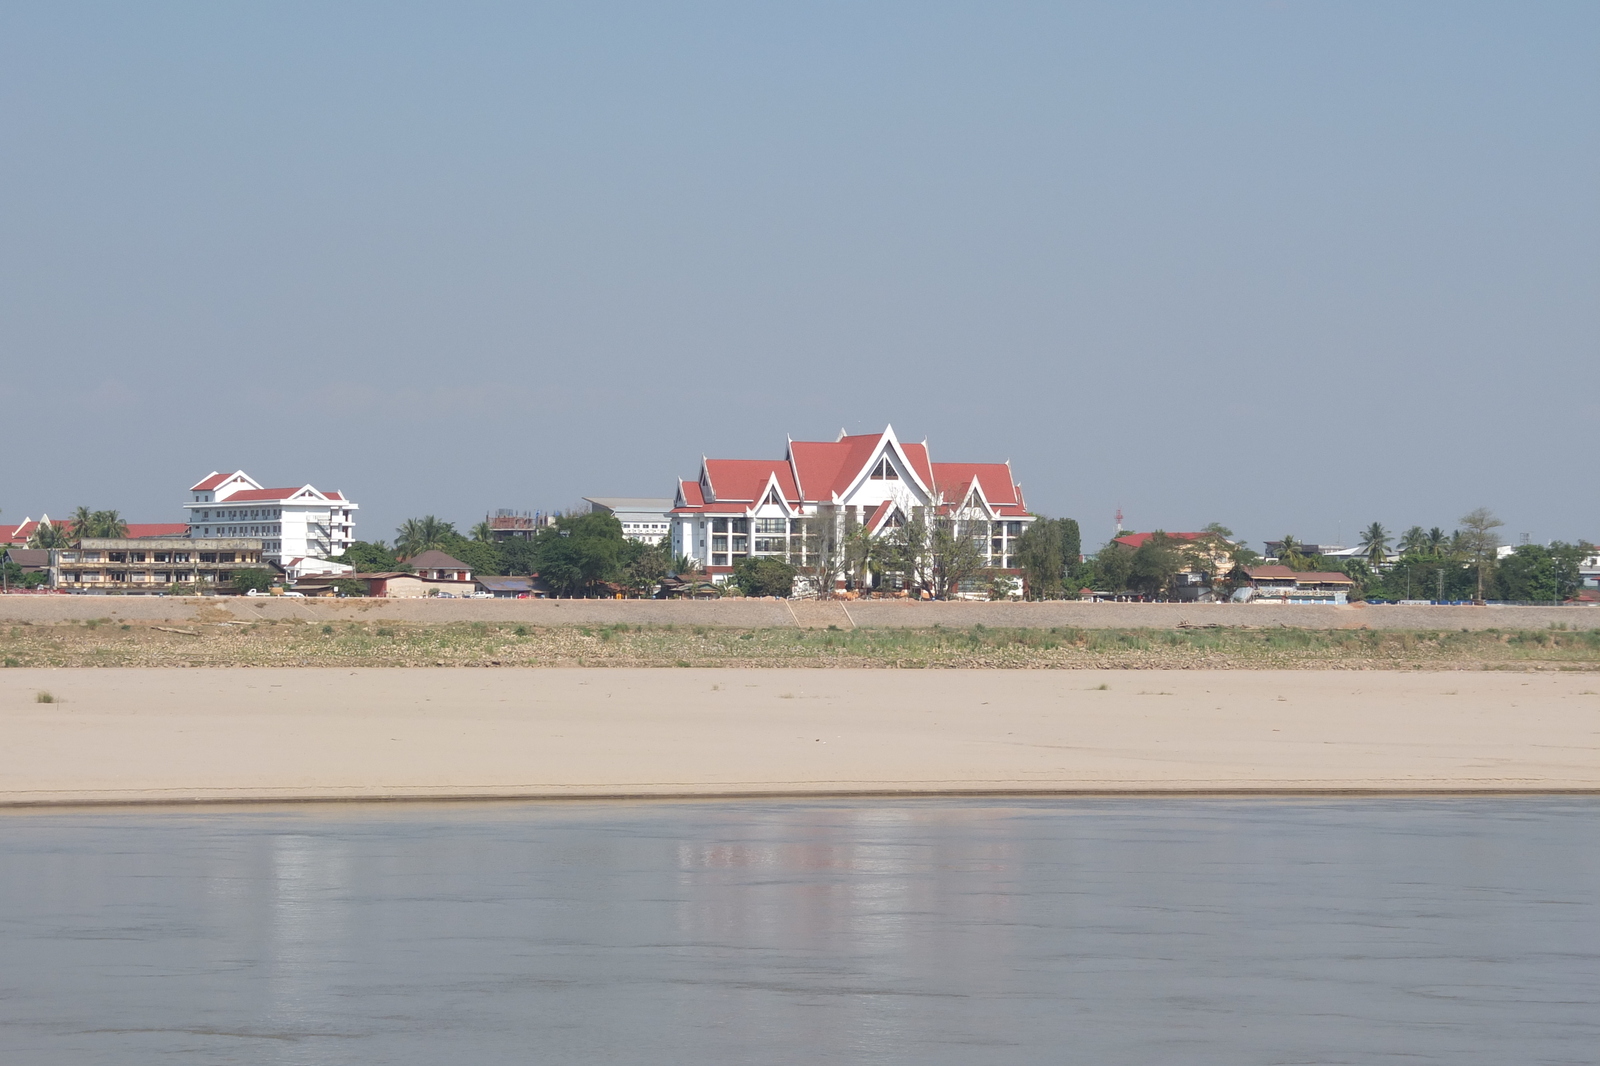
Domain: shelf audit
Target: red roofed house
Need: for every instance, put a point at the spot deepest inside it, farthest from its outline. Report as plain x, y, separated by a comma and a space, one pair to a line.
291, 522
19, 534
739, 508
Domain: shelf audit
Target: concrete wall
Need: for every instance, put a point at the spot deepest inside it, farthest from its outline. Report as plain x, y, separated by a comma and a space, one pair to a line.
810, 614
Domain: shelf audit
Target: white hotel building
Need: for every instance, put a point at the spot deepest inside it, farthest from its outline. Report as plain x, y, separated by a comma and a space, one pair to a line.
737, 508
291, 523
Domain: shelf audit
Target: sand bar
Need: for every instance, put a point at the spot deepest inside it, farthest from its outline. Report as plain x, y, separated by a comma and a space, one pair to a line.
159, 735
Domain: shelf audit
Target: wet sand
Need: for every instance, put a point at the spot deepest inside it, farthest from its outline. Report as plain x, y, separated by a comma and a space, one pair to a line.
159, 735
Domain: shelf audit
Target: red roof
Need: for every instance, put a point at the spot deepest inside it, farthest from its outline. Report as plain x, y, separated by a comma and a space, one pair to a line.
819, 471
1279, 573
210, 483
1136, 540
136, 530
747, 479
249, 495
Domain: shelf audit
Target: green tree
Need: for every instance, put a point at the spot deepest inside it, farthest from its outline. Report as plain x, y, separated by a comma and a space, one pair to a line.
372, 557
1113, 566
1154, 564
1528, 574
482, 532
253, 579
1048, 555
1413, 541
49, 535
1438, 543
1480, 542
1375, 544
349, 586
1291, 553
764, 576
83, 523
417, 535
580, 553
956, 552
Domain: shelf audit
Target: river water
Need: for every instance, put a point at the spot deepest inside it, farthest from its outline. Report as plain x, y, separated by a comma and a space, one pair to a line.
929, 932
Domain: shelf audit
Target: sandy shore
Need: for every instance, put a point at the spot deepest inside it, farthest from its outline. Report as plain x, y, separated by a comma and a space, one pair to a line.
272, 735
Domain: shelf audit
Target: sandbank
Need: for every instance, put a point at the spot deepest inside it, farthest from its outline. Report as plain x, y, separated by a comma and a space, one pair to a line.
196, 735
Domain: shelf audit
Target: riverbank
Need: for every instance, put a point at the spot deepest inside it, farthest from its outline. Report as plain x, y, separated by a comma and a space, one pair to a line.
216, 639
165, 736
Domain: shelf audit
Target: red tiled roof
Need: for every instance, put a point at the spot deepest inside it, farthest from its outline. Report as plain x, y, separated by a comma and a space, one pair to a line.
140, 530
334, 496
998, 488
917, 454
1136, 540
253, 495
1279, 573
211, 482
746, 479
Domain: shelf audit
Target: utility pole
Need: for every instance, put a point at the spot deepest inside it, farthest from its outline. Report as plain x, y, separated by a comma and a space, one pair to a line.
1441, 585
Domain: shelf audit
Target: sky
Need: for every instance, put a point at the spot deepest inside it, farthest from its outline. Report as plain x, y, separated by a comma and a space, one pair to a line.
1292, 267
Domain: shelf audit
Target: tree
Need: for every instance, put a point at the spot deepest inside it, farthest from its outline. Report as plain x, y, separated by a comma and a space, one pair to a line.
1528, 574
579, 553
349, 586
1048, 555
49, 535
819, 559
371, 557
1154, 564
956, 551
417, 535
764, 576
1479, 542
1290, 553
1375, 544
482, 532
109, 524
253, 579
1113, 565
643, 567
83, 523
1437, 542
1413, 541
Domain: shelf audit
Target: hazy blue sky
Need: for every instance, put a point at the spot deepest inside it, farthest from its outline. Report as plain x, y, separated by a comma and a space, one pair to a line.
1289, 266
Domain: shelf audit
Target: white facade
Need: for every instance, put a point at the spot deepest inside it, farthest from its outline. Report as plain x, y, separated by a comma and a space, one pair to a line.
644, 519
291, 523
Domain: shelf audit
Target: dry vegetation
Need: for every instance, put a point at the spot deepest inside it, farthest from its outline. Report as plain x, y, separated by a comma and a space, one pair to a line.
481, 644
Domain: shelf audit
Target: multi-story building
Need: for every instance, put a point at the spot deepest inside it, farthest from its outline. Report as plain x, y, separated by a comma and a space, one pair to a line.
297, 522
738, 508
152, 564
644, 519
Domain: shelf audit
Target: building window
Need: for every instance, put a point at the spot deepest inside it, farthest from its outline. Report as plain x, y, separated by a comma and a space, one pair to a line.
884, 471
719, 559
772, 525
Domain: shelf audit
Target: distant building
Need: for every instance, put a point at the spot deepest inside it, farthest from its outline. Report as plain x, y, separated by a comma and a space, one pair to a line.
442, 575
19, 533
740, 508
291, 522
644, 519
507, 525
516, 587
151, 565
1280, 584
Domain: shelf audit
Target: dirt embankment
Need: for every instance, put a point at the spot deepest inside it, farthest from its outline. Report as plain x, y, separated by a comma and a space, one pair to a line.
214, 639
797, 614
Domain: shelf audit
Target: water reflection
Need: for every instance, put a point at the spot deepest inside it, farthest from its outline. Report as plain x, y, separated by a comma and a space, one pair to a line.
923, 932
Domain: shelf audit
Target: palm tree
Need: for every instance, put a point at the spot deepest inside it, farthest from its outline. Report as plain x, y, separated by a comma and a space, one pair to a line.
417, 535
1437, 541
1414, 541
481, 532
47, 535
1289, 553
83, 523
109, 524
1375, 543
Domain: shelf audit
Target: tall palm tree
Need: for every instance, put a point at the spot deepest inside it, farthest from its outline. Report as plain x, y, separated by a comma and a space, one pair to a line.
109, 524
1375, 543
83, 523
49, 535
1414, 540
1290, 553
417, 535
482, 532
1437, 541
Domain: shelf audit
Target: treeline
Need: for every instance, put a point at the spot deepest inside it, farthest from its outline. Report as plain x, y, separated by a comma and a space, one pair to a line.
580, 555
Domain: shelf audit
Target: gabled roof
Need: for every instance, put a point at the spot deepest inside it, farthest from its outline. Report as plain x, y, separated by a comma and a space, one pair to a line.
1303, 577
745, 480
211, 481
261, 495
434, 559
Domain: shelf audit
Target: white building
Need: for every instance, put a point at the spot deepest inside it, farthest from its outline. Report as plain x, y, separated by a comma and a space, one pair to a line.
737, 508
643, 519
291, 523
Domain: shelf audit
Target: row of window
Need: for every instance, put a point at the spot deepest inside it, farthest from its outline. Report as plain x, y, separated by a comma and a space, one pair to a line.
149, 557
141, 577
